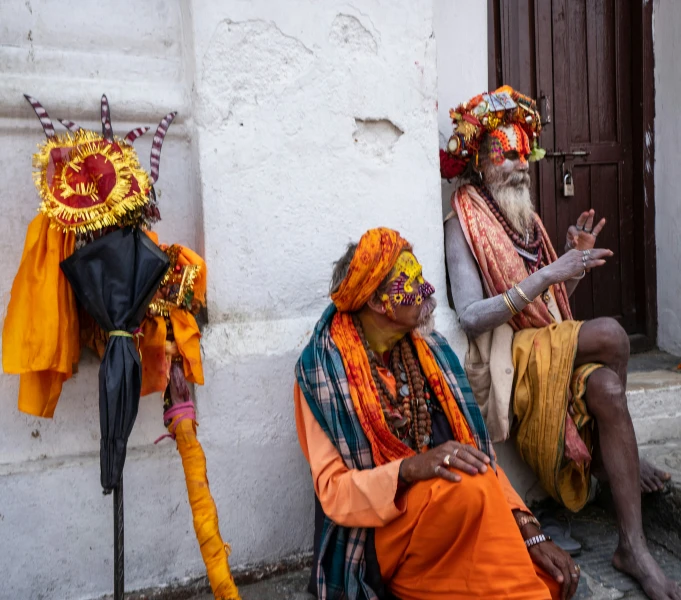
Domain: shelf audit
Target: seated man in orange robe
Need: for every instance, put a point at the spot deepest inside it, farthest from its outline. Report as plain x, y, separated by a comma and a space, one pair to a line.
413, 504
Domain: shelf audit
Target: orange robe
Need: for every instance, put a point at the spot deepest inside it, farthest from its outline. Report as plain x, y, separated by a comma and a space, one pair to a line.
480, 555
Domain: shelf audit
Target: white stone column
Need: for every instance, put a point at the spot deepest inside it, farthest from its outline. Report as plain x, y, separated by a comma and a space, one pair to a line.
314, 122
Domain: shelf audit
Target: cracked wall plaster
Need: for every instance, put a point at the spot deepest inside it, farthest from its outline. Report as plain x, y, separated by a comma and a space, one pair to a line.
376, 138
246, 63
348, 33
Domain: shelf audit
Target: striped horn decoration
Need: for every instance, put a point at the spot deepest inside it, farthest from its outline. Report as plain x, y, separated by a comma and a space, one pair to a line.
107, 132
135, 133
160, 134
45, 120
70, 125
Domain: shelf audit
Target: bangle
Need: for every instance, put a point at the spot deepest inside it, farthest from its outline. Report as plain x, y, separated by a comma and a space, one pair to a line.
580, 277
522, 294
400, 479
525, 519
537, 539
509, 303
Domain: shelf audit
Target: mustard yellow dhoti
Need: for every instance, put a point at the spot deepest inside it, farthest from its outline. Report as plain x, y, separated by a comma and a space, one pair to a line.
545, 383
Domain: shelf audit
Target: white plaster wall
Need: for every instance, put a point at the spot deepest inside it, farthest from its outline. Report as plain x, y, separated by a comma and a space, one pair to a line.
315, 121
461, 35
301, 125
667, 46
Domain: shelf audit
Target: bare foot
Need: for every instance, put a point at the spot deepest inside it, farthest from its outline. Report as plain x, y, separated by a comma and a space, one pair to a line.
642, 567
652, 478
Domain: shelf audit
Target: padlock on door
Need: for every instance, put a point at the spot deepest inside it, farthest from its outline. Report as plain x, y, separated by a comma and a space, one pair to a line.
568, 185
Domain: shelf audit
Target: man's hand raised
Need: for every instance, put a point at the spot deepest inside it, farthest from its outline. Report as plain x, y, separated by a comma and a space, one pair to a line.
583, 235
573, 264
438, 461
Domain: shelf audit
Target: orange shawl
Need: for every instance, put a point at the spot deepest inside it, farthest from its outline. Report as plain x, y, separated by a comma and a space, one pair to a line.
374, 259
499, 263
40, 339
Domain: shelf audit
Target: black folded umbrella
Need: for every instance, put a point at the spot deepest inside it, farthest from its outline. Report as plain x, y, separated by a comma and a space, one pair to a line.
115, 278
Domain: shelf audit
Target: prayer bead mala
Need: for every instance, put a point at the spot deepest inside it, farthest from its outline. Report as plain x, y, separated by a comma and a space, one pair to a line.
535, 238
414, 425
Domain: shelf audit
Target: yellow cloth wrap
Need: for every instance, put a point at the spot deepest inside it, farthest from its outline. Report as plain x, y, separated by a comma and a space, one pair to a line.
40, 337
214, 551
545, 376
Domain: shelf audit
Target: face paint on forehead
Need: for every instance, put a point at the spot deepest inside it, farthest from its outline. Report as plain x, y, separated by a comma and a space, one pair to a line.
506, 139
407, 287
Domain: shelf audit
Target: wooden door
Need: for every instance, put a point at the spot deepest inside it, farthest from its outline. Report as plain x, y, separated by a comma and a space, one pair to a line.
579, 58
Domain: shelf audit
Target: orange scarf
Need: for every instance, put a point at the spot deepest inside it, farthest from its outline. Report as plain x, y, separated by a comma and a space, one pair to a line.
499, 263
374, 259
385, 447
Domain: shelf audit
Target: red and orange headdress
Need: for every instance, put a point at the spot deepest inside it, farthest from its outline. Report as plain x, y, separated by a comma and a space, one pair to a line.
88, 181
483, 114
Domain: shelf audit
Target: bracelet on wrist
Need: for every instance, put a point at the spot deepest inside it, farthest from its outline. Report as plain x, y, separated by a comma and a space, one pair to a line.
580, 277
525, 519
537, 539
400, 478
522, 294
509, 303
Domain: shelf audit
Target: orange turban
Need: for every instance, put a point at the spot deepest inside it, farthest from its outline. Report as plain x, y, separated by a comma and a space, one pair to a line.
376, 255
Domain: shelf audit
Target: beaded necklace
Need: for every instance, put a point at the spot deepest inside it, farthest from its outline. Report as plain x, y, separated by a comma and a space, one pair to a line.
407, 413
529, 249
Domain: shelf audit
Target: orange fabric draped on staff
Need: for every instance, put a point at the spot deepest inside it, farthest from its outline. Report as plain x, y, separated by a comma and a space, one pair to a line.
40, 337
185, 330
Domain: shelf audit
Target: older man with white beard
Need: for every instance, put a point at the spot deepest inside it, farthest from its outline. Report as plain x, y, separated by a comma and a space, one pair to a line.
557, 384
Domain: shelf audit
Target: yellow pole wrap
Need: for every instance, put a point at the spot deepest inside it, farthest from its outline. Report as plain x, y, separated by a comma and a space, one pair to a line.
214, 551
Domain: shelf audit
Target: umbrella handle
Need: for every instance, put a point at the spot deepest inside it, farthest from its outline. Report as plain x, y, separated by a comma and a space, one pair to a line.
119, 549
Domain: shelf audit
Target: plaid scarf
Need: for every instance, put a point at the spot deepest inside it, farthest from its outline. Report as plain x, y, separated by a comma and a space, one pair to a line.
341, 567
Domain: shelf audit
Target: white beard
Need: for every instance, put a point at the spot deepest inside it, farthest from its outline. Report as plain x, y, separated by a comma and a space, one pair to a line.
514, 200
426, 324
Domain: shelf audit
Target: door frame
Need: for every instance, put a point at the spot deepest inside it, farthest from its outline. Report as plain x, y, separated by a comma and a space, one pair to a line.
643, 145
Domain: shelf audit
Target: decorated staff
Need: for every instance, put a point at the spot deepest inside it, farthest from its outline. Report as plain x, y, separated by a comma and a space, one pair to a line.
97, 207
171, 329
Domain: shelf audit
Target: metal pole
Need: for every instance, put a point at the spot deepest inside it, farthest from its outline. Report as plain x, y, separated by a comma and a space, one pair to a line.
119, 553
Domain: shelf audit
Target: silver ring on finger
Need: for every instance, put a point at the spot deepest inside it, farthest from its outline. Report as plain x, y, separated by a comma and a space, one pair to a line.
446, 460
437, 470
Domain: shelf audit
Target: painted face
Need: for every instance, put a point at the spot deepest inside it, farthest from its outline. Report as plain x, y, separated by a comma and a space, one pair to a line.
509, 139
408, 287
